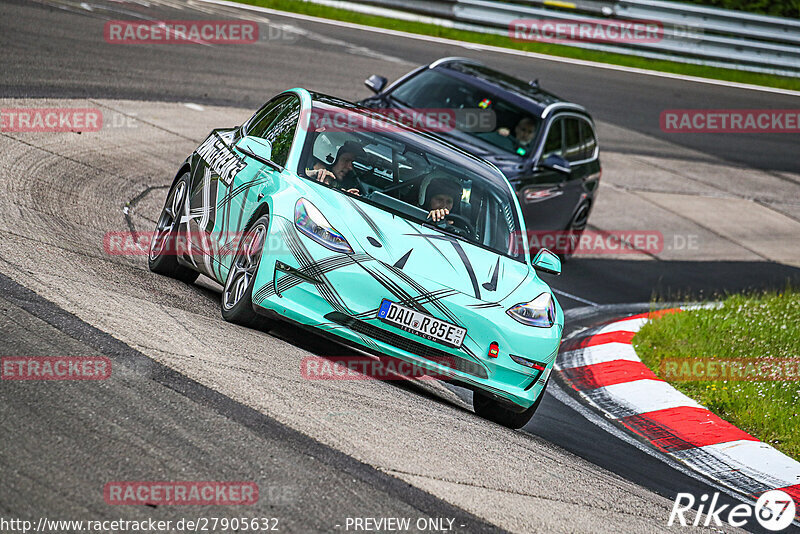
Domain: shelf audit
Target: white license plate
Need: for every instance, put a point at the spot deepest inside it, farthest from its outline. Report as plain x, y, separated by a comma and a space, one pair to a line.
421, 324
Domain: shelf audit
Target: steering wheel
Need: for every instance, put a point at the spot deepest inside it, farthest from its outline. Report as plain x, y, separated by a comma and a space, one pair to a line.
366, 189
460, 226
361, 185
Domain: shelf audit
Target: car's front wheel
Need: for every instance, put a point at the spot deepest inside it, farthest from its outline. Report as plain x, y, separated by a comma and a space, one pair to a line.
495, 411
237, 296
164, 246
575, 230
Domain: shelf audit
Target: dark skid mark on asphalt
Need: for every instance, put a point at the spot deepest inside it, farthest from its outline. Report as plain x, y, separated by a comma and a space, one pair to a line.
253, 420
132, 203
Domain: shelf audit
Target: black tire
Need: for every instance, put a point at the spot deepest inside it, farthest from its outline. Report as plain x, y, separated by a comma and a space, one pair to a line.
497, 412
576, 227
237, 295
163, 255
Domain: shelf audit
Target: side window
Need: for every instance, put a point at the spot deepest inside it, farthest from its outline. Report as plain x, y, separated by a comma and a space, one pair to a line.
573, 151
281, 132
260, 122
552, 145
588, 139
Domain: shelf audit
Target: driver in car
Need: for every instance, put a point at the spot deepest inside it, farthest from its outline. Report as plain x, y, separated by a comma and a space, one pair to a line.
523, 132
340, 172
438, 195
517, 139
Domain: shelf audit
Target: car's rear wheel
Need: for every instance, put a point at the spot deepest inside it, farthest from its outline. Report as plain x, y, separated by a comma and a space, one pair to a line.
495, 411
163, 255
237, 295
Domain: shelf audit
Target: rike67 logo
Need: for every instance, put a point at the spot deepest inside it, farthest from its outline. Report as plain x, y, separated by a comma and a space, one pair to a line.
774, 510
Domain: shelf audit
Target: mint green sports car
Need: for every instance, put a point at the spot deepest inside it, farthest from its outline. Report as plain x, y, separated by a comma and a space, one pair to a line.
388, 239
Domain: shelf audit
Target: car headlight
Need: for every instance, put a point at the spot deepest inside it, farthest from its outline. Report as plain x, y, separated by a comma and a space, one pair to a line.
540, 312
309, 220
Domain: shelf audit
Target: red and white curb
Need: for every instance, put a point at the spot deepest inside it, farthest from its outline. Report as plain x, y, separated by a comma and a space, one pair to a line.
602, 366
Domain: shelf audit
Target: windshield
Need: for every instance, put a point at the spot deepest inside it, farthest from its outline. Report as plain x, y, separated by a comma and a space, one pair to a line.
514, 129
410, 175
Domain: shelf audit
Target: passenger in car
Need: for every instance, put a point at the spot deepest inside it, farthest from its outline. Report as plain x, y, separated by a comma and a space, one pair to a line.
340, 172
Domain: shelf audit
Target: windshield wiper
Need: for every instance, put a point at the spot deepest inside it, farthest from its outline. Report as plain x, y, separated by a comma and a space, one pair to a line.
394, 98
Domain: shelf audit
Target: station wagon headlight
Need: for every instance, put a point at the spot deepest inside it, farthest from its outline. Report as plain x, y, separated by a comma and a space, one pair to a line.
309, 220
540, 312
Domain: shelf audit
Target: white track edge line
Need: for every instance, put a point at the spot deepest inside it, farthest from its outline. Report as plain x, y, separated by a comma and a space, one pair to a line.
610, 417
573, 297
555, 389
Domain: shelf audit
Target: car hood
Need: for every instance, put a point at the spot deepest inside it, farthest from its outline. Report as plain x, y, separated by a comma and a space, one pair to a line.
511, 166
427, 254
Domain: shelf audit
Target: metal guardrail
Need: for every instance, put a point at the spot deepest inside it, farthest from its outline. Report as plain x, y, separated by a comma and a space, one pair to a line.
691, 33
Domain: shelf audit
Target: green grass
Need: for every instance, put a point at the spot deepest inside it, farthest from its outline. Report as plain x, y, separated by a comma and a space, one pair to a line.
307, 8
753, 327
786, 8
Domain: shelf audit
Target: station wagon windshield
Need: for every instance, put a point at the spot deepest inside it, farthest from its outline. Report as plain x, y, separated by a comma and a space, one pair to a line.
512, 130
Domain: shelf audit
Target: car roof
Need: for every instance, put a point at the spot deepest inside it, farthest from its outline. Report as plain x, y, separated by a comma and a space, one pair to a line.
527, 95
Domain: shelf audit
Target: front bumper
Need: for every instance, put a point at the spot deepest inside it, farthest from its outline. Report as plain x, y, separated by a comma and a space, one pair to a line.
339, 295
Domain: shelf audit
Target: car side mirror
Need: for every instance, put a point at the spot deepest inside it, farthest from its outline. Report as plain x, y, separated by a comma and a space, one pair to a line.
556, 163
257, 145
257, 148
547, 262
376, 83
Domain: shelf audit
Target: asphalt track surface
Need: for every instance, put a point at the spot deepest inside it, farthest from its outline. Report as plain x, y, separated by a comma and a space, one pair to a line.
165, 416
335, 60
